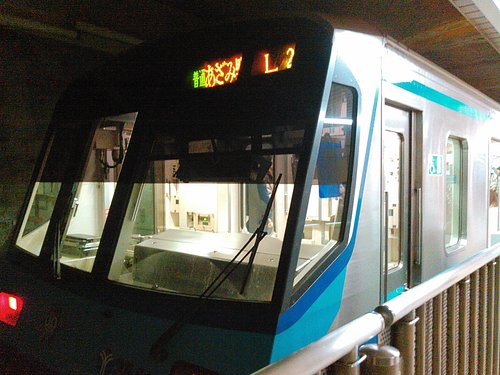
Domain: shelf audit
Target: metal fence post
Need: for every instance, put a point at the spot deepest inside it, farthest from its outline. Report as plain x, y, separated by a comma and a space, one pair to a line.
474, 324
463, 322
452, 331
438, 335
382, 360
483, 319
404, 341
421, 341
349, 364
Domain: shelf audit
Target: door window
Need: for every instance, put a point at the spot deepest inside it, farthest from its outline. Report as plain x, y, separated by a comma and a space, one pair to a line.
455, 210
397, 182
393, 146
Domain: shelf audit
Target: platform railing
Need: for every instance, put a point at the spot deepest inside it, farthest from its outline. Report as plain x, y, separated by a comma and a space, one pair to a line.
446, 325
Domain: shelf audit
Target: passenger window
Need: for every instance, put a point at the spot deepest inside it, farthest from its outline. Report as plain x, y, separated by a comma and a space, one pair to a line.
494, 211
326, 209
95, 192
456, 167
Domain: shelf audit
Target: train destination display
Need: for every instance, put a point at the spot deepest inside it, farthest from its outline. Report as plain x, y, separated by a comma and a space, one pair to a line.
218, 72
223, 71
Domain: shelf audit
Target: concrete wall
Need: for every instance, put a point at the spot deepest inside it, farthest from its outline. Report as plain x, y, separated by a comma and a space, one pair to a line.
33, 73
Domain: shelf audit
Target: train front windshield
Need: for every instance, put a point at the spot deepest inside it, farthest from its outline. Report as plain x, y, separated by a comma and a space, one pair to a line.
211, 216
197, 217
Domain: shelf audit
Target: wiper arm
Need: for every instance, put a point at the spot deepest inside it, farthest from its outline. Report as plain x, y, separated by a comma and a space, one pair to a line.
260, 234
158, 349
232, 265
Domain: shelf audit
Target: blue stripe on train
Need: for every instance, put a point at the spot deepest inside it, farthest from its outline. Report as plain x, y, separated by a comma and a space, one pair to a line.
313, 314
443, 100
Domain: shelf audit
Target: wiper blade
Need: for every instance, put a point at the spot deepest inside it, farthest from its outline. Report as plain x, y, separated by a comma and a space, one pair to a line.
260, 233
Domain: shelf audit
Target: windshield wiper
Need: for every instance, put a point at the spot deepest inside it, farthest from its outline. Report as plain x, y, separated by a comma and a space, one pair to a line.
158, 351
259, 233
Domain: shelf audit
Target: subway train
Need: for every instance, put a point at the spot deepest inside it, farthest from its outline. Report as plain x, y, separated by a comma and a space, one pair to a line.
213, 201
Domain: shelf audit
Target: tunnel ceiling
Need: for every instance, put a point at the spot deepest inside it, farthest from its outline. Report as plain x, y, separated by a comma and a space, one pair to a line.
462, 36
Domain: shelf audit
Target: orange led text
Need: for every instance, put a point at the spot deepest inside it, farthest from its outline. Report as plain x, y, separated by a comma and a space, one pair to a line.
274, 60
218, 73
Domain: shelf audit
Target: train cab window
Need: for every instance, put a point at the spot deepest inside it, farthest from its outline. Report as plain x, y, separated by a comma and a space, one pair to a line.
36, 222
52, 171
195, 226
494, 210
455, 211
95, 191
326, 210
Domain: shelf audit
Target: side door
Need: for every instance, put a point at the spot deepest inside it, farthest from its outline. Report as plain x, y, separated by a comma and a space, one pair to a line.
399, 192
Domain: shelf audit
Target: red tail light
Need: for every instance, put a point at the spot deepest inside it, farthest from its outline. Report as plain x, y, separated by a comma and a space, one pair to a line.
10, 308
